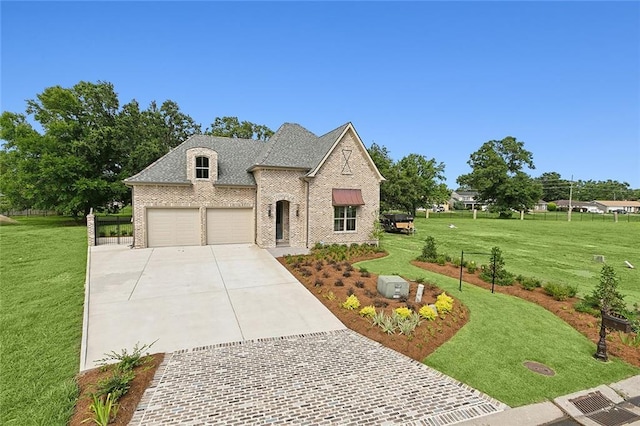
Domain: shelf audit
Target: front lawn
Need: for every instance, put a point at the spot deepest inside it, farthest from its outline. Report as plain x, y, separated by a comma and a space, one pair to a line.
42, 293
502, 333
549, 250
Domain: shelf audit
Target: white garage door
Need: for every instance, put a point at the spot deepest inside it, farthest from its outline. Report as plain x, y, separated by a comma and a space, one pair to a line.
173, 227
229, 226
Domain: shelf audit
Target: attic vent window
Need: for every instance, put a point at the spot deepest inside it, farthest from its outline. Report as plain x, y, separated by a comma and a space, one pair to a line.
202, 167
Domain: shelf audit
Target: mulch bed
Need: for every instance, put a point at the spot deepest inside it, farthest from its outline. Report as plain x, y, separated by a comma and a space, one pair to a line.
427, 337
128, 402
585, 323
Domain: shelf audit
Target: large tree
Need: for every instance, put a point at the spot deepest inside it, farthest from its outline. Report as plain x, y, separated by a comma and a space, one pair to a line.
231, 127
497, 174
554, 187
412, 182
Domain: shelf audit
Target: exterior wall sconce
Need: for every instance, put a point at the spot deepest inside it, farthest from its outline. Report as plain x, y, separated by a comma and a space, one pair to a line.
269, 210
297, 209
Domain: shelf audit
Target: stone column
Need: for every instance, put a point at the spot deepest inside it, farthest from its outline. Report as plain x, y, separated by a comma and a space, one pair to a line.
91, 228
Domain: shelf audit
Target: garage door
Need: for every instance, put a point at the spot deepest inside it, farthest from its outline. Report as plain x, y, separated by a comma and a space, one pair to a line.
173, 227
229, 226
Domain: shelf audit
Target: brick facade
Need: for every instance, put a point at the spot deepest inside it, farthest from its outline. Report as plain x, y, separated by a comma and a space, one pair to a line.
201, 194
334, 173
308, 211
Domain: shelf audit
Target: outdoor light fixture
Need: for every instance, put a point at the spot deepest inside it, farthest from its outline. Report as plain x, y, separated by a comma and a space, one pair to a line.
269, 210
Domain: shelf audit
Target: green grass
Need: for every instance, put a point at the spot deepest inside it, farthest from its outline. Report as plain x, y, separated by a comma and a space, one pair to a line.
501, 334
550, 250
42, 271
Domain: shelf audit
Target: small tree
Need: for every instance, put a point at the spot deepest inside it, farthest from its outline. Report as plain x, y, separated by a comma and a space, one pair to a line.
429, 251
496, 269
606, 295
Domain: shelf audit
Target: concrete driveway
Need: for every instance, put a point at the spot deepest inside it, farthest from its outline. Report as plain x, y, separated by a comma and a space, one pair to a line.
188, 297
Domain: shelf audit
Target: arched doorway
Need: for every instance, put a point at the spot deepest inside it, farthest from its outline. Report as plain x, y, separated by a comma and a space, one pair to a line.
282, 223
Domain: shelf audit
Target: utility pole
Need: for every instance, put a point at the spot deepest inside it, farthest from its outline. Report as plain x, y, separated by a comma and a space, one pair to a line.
570, 196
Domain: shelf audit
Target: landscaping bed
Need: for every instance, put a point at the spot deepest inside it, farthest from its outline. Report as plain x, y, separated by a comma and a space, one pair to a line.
127, 403
583, 322
324, 276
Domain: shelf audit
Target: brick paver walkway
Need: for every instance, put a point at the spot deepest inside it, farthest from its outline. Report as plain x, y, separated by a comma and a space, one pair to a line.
322, 378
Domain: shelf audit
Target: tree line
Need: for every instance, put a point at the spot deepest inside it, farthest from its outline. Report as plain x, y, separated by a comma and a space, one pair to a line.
88, 144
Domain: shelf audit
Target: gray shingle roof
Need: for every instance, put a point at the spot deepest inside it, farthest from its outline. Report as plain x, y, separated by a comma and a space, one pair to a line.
291, 146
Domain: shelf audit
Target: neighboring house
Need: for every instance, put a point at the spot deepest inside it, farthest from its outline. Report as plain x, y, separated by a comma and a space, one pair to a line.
579, 206
468, 198
611, 206
296, 189
541, 206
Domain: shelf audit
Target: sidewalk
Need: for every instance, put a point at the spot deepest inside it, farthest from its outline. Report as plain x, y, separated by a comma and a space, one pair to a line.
615, 404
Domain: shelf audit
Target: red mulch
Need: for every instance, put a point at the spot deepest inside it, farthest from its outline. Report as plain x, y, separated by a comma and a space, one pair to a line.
128, 403
585, 323
427, 337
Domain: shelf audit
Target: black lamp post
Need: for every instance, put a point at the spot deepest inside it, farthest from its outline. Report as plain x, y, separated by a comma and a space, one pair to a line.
601, 353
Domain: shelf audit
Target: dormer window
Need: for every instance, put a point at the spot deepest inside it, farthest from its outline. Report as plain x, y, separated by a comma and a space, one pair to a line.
202, 167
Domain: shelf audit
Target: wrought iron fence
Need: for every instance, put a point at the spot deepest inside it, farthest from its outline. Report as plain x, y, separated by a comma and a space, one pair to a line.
113, 230
556, 215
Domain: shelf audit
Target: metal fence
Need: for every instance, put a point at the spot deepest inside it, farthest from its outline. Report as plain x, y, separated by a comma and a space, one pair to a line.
30, 212
557, 215
113, 230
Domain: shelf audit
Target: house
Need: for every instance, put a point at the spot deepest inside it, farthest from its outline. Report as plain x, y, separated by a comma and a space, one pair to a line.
579, 206
468, 198
541, 206
609, 206
296, 189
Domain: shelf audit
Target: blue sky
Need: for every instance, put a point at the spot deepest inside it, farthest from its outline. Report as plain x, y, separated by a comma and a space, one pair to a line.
433, 78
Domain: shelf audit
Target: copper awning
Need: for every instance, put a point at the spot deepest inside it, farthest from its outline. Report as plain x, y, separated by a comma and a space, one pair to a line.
347, 197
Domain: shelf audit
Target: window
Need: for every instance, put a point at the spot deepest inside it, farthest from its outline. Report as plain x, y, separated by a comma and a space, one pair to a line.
344, 218
202, 167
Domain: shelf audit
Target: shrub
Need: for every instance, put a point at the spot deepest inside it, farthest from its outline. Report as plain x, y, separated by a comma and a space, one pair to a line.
552, 207
472, 267
305, 272
406, 327
325, 274
607, 291
379, 303
115, 385
420, 280
330, 296
388, 325
456, 262
318, 282
530, 283
429, 251
496, 269
587, 307
128, 361
368, 311
441, 260
346, 274
351, 303
505, 278
364, 273
444, 303
403, 312
560, 292
360, 284
348, 267
319, 265
350, 291
338, 283
447, 257
427, 313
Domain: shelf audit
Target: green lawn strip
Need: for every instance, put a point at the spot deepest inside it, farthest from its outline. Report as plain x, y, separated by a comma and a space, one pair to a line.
43, 272
501, 334
550, 250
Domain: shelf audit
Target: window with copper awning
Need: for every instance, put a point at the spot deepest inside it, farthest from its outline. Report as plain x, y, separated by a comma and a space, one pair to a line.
347, 197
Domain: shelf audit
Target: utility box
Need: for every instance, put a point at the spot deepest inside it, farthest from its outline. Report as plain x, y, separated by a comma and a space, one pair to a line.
392, 286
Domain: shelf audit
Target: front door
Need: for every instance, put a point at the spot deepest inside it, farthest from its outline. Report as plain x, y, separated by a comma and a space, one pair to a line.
282, 221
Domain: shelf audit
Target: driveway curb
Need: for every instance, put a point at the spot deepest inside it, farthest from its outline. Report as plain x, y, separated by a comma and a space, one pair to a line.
85, 312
